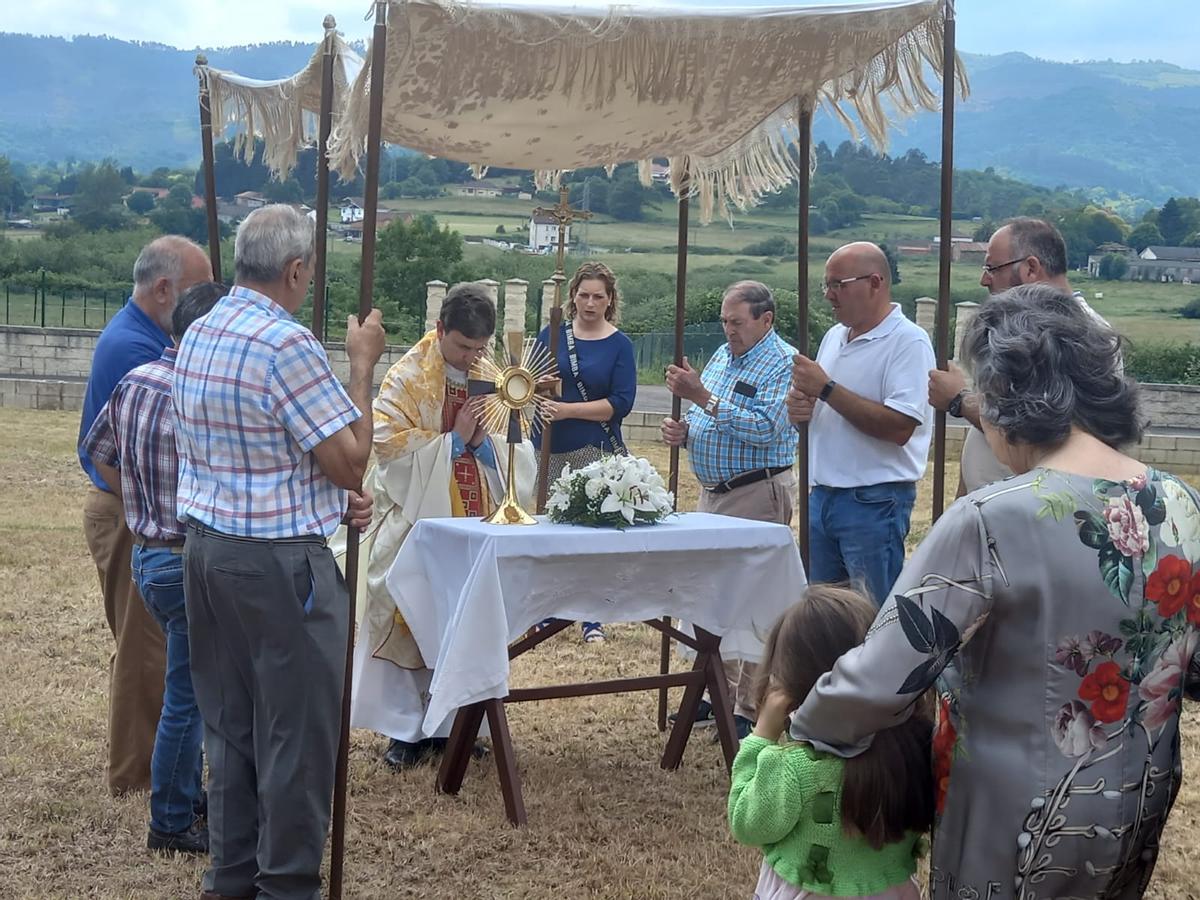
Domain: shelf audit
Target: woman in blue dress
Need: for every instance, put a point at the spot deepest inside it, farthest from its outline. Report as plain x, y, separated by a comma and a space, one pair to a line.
599, 380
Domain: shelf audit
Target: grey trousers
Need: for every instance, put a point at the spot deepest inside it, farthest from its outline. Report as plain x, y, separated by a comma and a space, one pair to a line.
267, 632
770, 500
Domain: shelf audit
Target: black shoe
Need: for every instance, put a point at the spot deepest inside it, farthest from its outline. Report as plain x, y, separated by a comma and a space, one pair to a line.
704, 716
741, 729
194, 840
406, 754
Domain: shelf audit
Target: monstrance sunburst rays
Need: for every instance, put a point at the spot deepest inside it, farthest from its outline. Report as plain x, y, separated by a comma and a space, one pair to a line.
509, 386
511, 405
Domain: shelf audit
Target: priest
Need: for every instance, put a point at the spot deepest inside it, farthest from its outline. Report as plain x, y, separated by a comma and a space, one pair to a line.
433, 459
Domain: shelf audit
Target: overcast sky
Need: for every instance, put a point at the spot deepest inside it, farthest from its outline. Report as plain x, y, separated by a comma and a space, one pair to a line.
1064, 30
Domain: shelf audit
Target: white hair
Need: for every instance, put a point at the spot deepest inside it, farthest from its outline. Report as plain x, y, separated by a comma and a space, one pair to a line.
270, 238
162, 258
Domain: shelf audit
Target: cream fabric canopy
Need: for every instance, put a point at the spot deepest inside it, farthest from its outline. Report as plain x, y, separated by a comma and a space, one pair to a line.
283, 111
715, 91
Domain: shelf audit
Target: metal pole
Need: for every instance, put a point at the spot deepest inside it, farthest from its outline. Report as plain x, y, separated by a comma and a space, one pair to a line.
365, 289
681, 254
326, 124
210, 181
43, 298
942, 329
803, 184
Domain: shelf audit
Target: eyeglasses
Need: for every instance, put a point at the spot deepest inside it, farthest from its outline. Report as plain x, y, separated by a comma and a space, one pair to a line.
838, 283
998, 266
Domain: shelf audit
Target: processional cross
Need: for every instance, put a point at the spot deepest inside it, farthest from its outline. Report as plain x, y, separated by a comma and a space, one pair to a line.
563, 215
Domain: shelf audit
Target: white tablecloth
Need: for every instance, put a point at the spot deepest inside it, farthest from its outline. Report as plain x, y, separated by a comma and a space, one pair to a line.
468, 589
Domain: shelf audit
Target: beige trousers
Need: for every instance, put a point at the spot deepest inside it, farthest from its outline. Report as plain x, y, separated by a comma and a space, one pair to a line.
136, 667
771, 500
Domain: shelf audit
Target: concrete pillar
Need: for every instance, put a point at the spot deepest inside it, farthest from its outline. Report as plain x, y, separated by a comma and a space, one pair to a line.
491, 287
927, 314
516, 293
435, 293
547, 302
963, 314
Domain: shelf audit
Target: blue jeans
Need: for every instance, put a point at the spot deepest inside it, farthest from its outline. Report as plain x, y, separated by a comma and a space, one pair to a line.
175, 765
857, 535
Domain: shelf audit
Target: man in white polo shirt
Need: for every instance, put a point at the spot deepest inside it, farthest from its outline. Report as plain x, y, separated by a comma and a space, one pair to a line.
866, 399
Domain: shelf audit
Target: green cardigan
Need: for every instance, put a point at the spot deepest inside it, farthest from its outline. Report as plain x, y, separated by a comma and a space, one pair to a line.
786, 800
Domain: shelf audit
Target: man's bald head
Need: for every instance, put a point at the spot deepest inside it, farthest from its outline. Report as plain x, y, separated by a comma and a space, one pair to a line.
858, 286
166, 267
866, 259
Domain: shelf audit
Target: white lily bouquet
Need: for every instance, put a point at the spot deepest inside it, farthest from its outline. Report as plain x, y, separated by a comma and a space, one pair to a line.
615, 491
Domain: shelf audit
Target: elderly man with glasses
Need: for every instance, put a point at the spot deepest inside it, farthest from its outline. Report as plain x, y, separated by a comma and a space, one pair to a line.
1022, 251
870, 424
738, 440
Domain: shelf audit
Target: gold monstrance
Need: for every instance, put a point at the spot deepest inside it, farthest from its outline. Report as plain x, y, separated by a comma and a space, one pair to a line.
509, 389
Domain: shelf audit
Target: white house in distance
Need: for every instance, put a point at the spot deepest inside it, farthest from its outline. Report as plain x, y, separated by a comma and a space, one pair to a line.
352, 210
543, 234
251, 199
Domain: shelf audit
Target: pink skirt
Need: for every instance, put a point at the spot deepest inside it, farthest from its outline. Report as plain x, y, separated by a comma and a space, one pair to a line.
771, 887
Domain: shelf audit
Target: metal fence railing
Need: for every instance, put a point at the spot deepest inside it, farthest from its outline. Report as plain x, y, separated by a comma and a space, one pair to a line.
655, 350
44, 306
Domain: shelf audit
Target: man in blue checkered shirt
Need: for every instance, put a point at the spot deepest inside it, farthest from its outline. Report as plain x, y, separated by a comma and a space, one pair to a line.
738, 438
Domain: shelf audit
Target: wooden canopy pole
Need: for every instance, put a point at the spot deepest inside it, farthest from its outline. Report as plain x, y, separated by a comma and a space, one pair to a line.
326, 125
210, 180
804, 185
942, 330
365, 290
681, 259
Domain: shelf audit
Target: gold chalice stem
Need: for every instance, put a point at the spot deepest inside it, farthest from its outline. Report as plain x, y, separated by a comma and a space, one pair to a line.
509, 512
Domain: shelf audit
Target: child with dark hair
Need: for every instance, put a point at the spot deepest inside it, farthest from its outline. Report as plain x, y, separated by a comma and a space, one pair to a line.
827, 826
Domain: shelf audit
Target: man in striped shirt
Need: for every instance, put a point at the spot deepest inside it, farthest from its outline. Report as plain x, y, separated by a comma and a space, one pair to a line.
132, 444
270, 444
738, 439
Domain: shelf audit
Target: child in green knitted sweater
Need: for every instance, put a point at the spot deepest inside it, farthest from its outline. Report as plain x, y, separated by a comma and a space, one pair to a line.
827, 826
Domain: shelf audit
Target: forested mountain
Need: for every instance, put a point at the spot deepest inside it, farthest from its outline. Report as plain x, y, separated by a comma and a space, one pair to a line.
1115, 128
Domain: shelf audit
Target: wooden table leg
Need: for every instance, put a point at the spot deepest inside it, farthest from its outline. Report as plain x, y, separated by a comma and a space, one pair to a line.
685, 719
722, 705
506, 762
458, 748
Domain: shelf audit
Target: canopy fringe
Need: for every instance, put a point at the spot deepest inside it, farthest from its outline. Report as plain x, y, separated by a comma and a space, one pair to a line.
591, 60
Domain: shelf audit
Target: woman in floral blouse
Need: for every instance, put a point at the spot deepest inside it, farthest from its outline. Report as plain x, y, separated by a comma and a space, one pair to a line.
1057, 613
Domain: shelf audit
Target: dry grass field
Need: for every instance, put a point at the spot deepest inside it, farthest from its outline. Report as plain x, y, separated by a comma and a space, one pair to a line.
605, 821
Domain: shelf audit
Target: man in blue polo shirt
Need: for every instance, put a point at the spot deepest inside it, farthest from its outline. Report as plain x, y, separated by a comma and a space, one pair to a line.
138, 334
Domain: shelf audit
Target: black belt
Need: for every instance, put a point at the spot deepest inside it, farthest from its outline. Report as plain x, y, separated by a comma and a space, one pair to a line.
201, 528
155, 543
752, 477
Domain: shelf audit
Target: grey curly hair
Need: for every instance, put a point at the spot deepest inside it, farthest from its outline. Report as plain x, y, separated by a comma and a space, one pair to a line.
1042, 364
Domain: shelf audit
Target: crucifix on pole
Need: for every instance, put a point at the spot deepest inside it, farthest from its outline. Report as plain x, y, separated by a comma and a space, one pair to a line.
563, 215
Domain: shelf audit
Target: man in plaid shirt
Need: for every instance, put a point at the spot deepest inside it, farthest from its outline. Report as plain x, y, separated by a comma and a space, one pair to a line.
132, 444
269, 445
740, 444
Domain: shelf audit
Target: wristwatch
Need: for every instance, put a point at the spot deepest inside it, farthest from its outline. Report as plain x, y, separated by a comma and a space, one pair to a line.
710, 405
827, 390
954, 407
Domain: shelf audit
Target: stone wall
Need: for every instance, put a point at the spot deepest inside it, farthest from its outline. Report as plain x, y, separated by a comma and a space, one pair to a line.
65, 354
47, 368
